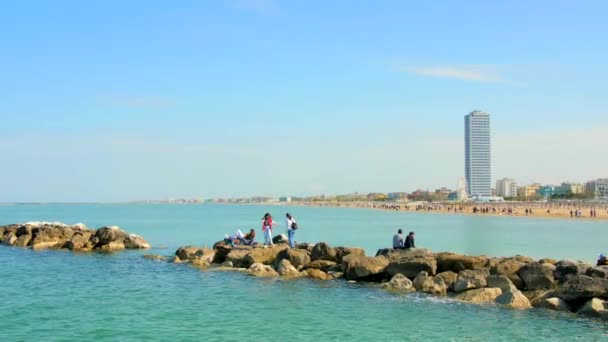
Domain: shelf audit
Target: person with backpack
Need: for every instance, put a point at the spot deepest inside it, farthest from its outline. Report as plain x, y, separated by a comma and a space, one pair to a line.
267, 224
292, 226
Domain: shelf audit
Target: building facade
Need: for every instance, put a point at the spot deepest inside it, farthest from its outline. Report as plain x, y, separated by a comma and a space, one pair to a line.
506, 187
528, 191
478, 172
597, 188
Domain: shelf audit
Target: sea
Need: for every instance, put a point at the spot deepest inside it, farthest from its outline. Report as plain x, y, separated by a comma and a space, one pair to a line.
67, 296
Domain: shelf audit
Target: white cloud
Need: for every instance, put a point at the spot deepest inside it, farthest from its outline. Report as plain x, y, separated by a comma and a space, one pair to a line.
264, 7
470, 72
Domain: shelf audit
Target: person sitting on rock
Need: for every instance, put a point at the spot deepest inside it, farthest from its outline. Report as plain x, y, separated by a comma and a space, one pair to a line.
398, 240
602, 260
409, 241
249, 238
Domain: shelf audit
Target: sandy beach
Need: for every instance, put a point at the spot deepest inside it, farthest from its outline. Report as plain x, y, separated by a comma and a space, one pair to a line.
518, 209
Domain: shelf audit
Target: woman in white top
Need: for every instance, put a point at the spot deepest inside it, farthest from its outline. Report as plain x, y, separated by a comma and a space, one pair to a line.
291, 229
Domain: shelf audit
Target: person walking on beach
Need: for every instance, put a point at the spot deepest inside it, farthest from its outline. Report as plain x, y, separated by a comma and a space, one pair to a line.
267, 224
398, 240
409, 241
292, 225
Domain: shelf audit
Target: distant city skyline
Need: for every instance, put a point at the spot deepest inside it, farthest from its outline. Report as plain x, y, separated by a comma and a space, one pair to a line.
120, 101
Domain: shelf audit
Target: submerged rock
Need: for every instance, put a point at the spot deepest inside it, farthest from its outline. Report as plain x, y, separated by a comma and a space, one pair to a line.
554, 303
318, 274
595, 308
263, 271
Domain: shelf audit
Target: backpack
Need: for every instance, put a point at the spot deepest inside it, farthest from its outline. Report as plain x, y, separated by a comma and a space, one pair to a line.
294, 225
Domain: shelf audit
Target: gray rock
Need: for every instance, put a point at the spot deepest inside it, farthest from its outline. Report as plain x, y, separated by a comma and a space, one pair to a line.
580, 287
502, 282
595, 308
565, 268
471, 279
514, 300
554, 303
537, 276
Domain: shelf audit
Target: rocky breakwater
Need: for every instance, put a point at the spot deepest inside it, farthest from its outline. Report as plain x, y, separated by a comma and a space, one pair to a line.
78, 237
517, 282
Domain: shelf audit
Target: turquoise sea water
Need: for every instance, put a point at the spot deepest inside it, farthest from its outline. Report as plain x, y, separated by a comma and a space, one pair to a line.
64, 296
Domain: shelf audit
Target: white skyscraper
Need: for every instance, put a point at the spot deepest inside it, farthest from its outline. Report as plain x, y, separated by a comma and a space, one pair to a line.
478, 172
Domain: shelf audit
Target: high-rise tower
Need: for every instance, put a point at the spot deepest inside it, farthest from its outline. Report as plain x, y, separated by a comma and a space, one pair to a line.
478, 171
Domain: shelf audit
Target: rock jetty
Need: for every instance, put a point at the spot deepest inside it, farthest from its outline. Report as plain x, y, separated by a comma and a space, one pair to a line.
517, 282
77, 237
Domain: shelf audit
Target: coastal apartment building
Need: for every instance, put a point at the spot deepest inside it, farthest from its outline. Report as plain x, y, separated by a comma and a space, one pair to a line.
598, 188
478, 172
506, 187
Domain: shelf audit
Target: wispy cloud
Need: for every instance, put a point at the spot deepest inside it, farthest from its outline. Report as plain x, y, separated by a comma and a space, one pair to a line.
469, 72
264, 7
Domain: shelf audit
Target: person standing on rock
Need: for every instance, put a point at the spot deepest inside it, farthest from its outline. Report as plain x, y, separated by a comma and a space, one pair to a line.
292, 225
409, 241
267, 224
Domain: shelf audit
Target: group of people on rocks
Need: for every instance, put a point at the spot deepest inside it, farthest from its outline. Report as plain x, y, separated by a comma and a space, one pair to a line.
267, 224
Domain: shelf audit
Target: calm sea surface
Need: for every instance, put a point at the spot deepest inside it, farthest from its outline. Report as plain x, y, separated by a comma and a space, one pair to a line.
64, 296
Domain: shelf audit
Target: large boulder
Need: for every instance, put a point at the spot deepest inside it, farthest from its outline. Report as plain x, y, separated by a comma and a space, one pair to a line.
9, 239
399, 283
286, 269
553, 303
480, 296
598, 272
281, 238
110, 239
410, 262
449, 278
501, 282
514, 300
78, 241
342, 252
431, 285
582, 288
595, 308
221, 251
537, 276
323, 265
134, 241
362, 267
51, 236
565, 268
245, 256
471, 279
509, 267
23, 240
261, 270
456, 262
317, 274
297, 257
323, 251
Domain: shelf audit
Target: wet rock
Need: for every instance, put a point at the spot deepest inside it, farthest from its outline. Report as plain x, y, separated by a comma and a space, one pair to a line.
261, 270
399, 283
514, 300
362, 267
554, 303
155, 257
431, 285
537, 276
286, 269
595, 308
480, 296
9, 239
323, 265
227, 264
318, 274
78, 241
449, 278
501, 282
134, 241
471, 279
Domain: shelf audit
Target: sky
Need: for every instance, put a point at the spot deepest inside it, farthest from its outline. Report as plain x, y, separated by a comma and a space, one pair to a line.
128, 100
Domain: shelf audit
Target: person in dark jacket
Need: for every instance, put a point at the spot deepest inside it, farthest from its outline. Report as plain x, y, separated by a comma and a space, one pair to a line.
409, 241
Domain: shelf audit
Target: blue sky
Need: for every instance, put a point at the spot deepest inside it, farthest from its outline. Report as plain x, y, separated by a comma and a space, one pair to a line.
122, 100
